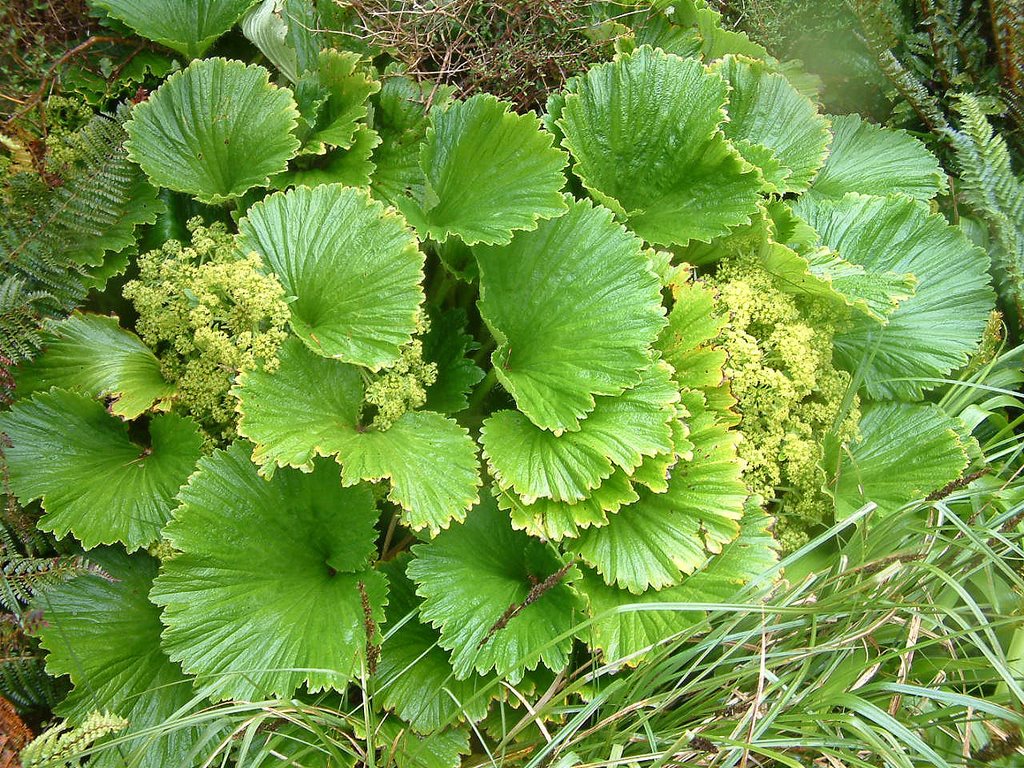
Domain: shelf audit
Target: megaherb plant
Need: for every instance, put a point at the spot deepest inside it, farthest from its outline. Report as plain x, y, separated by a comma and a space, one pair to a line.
432, 401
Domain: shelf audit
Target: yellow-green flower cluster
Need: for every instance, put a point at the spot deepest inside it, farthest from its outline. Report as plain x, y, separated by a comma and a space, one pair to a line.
403, 386
208, 312
63, 745
789, 395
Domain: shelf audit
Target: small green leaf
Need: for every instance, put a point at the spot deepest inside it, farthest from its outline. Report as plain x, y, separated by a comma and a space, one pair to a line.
353, 265
143, 207
488, 172
187, 26
400, 117
477, 579
350, 167
574, 307
663, 536
405, 749
765, 110
214, 130
105, 634
431, 463
620, 432
348, 87
872, 160
904, 453
311, 406
446, 345
686, 343
644, 132
94, 482
258, 615
94, 355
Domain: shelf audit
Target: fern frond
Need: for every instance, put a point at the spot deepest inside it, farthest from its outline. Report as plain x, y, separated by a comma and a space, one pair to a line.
22, 578
877, 35
990, 187
44, 277
24, 682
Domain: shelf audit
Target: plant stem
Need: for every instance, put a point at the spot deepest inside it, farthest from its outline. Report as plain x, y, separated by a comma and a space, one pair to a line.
483, 390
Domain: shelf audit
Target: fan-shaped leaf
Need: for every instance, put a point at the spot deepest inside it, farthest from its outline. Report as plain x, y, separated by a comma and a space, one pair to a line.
872, 160
187, 26
620, 432
904, 452
488, 172
765, 110
311, 406
142, 207
105, 634
94, 355
94, 482
353, 265
502, 600
555, 520
348, 87
644, 134
214, 130
351, 167
661, 537
414, 675
929, 334
258, 615
686, 343
574, 307
624, 634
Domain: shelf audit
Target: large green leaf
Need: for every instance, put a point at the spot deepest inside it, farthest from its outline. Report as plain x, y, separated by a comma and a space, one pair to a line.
905, 451
257, 615
94, 355
311, 406
932, 332
872, 160
496, 596
93, 480
535, 463
765, 111
414, 674
644, 132
214, 130
625, 633
661, 537
574, 307
352, 264
488, 172
187, 26
105, 634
